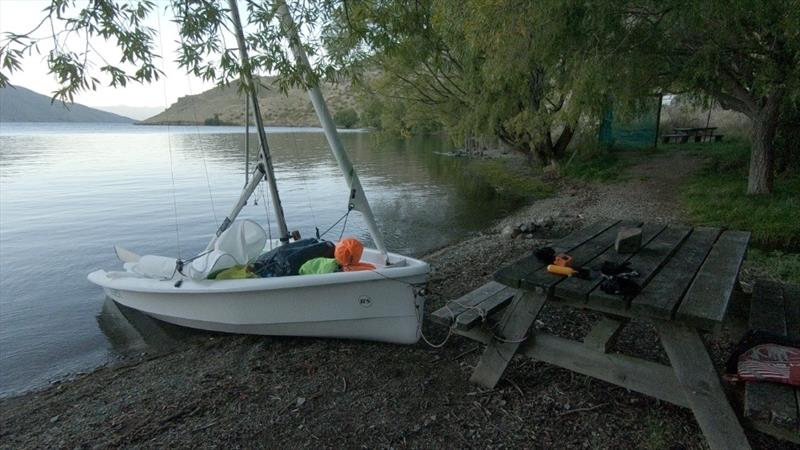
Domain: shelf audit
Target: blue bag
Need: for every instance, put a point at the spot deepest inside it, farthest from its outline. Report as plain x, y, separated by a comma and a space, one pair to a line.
287, 259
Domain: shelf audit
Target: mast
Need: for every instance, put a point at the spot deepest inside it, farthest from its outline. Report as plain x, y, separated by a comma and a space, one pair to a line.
264, 168
358, 199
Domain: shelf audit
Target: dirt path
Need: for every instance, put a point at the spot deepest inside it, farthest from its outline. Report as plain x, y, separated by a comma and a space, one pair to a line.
249, 391
647, 191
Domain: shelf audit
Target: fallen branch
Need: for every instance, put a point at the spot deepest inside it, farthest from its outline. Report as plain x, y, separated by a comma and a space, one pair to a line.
590, 408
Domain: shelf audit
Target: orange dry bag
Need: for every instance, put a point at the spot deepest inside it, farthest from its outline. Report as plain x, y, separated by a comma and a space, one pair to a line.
348, 255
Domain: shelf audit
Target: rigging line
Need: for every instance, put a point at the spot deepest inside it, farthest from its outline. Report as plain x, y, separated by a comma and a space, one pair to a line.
246, 140
344, 225
305, 185
265, 202
350, 206
203, 154
169, 145
335, 223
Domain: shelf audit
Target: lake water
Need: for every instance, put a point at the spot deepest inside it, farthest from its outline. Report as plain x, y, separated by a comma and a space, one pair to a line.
68, 192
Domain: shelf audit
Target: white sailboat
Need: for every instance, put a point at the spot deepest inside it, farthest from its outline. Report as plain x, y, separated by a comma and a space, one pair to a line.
385, 304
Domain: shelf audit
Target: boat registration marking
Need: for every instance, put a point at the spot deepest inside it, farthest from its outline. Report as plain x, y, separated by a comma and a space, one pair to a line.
365, 301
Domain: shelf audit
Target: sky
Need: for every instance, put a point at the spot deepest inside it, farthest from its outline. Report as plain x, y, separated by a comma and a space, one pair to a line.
21, 16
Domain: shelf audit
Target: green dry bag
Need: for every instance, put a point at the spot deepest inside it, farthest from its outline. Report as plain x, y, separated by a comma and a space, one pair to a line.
319, 266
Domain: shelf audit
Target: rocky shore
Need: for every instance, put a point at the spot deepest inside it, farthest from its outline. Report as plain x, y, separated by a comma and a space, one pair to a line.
216, 390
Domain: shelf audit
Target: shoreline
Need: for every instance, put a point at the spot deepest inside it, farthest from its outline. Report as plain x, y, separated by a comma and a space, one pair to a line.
234, 390
246, 391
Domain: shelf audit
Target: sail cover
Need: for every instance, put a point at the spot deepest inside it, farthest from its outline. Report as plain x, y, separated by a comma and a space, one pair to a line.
240, 244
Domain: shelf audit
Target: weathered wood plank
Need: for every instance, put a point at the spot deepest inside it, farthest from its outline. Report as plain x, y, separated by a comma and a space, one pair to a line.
603, 334
771, 403
597, 307
700, 382
513, 330
767, 311
576, 288
649, 378
780, 433
581, 255
791, 298
647, 262
512, 274
662, 295
496, 301
706, 302
452, 309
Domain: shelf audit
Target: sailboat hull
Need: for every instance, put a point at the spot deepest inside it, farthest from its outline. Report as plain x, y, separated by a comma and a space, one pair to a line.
383, 305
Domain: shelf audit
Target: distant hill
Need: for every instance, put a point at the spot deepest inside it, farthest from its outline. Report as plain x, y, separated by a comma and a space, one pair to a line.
226, 104
18, 104
134, 112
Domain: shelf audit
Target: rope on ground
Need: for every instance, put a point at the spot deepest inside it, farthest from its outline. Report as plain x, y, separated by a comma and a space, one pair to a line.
481, 312
439, 345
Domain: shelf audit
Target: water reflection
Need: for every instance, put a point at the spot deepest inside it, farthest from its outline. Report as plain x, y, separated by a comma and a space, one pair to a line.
130, 331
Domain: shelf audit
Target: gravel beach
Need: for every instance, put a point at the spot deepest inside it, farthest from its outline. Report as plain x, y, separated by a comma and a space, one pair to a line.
228, 391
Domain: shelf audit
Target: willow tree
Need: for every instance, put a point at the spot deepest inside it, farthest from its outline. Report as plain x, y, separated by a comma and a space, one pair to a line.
207, 48
471, 66
743, 54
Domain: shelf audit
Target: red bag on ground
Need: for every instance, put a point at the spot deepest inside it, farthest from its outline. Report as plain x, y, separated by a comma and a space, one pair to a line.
770, 362
348, 255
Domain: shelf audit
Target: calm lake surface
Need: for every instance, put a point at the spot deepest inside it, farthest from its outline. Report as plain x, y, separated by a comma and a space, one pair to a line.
68, 192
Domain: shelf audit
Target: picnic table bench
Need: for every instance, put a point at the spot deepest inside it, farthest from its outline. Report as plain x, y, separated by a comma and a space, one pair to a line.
771, 407
687, 277
695, 134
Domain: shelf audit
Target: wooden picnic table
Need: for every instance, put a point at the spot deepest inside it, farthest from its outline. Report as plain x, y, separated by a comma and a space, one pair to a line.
695, 134
687, 276
696, 131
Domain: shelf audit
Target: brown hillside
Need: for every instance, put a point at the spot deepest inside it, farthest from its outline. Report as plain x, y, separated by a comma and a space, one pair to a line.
292, 109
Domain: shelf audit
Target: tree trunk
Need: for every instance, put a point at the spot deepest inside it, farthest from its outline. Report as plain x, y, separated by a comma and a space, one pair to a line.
544, 150
762, 155
563, 141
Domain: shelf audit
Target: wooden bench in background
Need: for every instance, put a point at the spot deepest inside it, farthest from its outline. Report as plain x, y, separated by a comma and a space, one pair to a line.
674, 138
684, 135
709, 138
771, 407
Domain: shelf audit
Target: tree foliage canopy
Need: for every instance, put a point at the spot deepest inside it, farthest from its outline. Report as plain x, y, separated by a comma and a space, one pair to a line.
528, 72
745, 54
207, 47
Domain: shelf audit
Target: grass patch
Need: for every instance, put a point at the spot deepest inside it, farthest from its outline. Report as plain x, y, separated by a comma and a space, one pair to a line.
657, 433
732, 156
515, 181
777, 264
717, 196
596, 166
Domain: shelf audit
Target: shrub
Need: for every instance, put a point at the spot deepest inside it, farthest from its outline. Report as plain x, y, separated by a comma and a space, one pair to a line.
213, 121
346, 118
